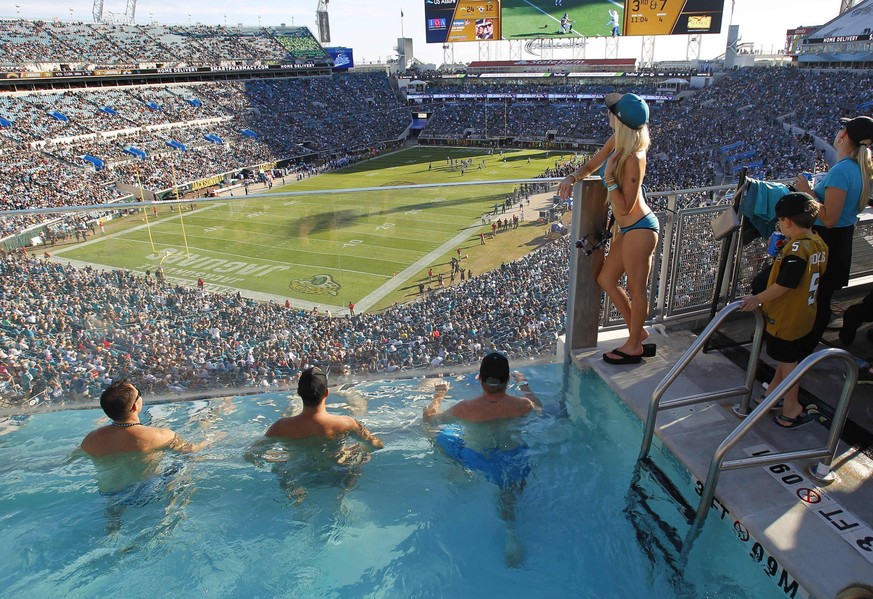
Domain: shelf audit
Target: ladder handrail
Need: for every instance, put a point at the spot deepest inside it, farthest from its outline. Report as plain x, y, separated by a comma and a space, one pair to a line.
685, 360
828, 452
821, 472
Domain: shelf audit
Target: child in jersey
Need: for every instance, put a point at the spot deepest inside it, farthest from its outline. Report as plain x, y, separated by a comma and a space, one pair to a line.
789, 301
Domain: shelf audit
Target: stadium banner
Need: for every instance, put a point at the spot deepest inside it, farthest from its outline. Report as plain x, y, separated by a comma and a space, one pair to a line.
840, 39
208, 182
513, 75
323, 26
597, 97
343, 58
558, 63
155, 71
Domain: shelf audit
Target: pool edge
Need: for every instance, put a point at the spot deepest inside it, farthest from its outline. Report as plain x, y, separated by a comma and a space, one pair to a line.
759, 506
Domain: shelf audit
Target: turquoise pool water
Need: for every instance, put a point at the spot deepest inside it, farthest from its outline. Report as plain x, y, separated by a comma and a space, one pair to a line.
410, 522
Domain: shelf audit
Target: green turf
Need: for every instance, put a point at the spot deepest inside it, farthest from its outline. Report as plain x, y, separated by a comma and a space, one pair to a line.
541, 18
325, 249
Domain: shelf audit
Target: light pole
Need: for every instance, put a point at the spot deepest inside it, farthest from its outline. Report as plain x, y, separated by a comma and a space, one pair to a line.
152, 17
189, 18
225, 20
259, 20
18, 10
71, 13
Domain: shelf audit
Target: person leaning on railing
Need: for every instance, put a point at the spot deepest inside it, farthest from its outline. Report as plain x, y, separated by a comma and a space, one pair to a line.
622, 164
842, 194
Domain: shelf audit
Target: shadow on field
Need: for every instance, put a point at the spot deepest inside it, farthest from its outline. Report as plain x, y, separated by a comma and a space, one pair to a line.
338, 219
319, 223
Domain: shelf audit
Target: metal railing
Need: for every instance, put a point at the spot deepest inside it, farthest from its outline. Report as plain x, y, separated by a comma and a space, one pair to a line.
746, 390
821, 472
682, 282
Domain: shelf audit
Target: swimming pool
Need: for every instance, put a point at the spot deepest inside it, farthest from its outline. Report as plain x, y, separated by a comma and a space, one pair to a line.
409, 523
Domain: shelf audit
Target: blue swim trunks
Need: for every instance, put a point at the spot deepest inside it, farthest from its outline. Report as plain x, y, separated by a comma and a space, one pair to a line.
503, 468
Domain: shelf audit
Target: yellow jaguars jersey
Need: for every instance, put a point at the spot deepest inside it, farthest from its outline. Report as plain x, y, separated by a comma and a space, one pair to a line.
792, 315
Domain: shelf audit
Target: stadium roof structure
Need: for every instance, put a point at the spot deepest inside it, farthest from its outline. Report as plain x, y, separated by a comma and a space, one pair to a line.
857, 21
846, 39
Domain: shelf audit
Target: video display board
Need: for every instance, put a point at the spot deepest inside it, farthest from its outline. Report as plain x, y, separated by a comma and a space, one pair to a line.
343, 58
672, 17
448, 21
462, 20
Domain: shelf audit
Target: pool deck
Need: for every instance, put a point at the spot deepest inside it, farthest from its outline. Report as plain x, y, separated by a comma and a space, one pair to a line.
825, 543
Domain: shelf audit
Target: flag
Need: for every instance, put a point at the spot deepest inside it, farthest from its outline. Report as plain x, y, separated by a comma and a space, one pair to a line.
401, 14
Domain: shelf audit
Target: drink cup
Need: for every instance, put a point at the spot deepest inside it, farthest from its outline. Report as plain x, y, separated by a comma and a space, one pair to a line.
777, 240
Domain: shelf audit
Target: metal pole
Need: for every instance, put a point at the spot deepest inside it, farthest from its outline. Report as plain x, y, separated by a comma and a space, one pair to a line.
669, 227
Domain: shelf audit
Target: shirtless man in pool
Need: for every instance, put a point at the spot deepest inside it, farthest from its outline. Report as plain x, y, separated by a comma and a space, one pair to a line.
122, 403
315, 420
494, 403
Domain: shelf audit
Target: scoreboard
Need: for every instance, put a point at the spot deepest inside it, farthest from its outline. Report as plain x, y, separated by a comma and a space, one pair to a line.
462, 20
672, 17
448, 21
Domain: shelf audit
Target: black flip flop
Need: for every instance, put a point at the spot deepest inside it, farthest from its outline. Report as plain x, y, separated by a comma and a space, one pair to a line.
623, 358
803, 419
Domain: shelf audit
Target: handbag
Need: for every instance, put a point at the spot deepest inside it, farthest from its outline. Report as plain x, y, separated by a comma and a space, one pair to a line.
725, 224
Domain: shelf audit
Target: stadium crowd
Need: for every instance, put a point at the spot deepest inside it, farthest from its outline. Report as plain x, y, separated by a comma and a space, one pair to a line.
66, 331
26, 42
45, 156
687, 135
317, 115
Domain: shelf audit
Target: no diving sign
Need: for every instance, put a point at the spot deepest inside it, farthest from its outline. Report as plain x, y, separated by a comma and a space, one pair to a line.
810, 496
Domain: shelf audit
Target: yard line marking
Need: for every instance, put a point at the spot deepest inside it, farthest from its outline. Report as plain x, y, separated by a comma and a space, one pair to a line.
335, 245
131, 230
407, 273
257, 259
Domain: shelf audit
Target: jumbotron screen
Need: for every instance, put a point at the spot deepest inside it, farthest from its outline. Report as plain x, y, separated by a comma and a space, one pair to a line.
462, 20
448, 21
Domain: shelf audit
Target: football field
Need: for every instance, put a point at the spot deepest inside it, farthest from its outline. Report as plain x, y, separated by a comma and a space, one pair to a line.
529, 19
327, 249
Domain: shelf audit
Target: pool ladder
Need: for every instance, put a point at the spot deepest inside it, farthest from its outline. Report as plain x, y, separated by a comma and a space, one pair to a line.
821, 472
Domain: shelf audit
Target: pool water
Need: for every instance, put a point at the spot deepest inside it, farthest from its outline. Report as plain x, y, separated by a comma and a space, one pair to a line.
410, 522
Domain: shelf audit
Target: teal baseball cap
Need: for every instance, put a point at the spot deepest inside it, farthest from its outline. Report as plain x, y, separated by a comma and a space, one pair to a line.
630, 109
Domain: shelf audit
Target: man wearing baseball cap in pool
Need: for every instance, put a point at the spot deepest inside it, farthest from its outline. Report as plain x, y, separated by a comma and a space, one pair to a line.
315, 420
122, 403
504, 465
494, 403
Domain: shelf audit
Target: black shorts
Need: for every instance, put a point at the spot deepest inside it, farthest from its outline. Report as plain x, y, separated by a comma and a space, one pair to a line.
788, 351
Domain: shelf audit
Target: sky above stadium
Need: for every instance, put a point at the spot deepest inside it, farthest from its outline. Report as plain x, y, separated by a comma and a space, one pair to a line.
371, 27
